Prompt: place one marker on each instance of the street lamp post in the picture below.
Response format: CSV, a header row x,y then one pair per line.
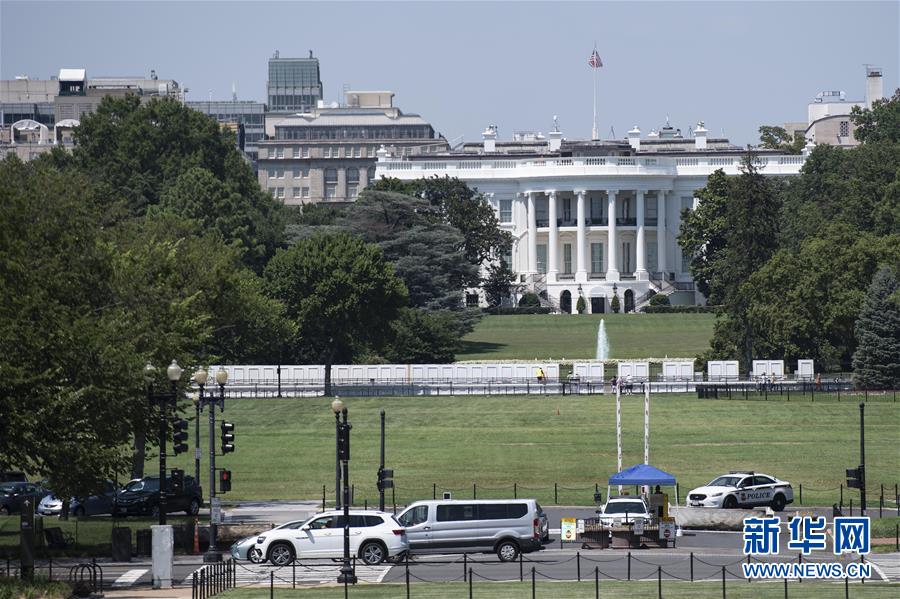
x,y
173,372
337,457
199,378
347,576
212,554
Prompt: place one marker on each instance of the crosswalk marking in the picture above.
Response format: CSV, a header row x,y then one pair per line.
x,y
250,574
887,566
129,578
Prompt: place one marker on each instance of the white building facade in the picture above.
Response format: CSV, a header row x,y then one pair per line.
x,y
590,219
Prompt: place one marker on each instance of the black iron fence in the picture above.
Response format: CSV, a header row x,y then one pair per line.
x,y
212,579
593,575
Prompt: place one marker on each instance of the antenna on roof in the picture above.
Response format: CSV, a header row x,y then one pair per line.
x,y
612,132
233,92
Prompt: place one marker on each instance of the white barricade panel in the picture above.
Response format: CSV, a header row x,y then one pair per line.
x,y
805,370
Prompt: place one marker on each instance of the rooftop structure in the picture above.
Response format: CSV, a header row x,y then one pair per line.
x,y
294,84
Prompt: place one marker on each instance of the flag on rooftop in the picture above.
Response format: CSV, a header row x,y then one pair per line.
x,y
594,60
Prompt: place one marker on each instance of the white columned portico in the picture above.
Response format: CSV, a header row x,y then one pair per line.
x,y
581,240
641,254
661,231
553,242
612,271
532,233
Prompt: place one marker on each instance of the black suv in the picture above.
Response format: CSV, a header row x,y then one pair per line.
x,y
14,495
141,497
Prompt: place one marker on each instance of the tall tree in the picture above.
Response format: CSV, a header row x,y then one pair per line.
x,y
881,123
341,293
462,207
136,152
876,362
777,138
703,237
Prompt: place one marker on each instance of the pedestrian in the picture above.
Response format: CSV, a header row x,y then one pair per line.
x,y
819,381
540,375
612,384
629,385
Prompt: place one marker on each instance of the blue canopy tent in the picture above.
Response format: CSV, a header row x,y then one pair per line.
x,y
643,474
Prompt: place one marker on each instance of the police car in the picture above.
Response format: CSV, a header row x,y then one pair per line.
x,y
743,489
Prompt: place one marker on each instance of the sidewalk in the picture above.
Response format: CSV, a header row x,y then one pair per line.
x,y
176,593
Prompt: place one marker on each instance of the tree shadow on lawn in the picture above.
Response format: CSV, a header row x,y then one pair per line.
x,y
480,347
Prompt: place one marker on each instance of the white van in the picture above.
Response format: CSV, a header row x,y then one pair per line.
x,y
504,526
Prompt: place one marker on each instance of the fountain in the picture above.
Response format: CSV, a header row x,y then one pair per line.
x,y
602,342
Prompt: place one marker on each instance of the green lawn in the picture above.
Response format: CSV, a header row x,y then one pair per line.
x,y
566,336
285,447
586,589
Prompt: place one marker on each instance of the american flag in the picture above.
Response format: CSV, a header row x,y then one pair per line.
x,y
594,60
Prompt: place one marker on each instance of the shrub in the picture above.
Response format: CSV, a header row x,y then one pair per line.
x,y
614,303
681,309
520,310
659,299
529,299
581,305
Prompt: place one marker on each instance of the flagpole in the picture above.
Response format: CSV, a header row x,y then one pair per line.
x,y
594,130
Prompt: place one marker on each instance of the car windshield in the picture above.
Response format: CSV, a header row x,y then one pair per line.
x,y
725,481
7,488
621,507
145,484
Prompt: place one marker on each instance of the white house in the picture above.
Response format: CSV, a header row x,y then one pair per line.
x,y
590,218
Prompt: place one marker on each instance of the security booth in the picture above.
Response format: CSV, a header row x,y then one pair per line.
x,y
635,531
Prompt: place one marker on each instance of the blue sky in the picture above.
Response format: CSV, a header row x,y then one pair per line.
x,y
464,65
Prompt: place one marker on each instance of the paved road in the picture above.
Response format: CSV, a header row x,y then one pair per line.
x,y
706,551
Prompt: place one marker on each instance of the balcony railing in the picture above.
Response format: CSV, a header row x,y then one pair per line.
x,y
626,222
650,222
597,222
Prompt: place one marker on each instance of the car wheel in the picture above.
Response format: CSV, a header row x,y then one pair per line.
x,y
730,503
507,551
254,555
778,502
281,554
372,553
79,512
194,508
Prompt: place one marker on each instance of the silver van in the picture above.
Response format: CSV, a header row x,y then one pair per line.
x,y
504,526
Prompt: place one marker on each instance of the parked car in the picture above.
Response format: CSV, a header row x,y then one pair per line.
x,y
374,537
246,547
624,509
506,527
14,495
91,505
743,489
141,497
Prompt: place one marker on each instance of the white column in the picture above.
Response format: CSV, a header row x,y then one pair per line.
x,y
661,231
612,265
553,242
581,241
532,234
640,251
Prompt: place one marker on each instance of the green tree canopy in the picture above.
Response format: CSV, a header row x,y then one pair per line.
x,y
876,362
881,123
703,237
144,154
777,138
340,292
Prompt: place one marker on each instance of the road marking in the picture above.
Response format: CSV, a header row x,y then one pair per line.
x,y
129,578
249,574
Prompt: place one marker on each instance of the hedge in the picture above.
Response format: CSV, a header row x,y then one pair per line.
x,y
519,310
680,309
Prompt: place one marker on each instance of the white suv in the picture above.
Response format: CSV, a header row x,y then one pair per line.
x,y
374,537
624,509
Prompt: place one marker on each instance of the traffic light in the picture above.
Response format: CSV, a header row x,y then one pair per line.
x,y
180,437
227,437
385,477
344,441
224,481
177,478
856,478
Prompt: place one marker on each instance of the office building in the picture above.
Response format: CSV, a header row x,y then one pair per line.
x,y
294,84
328,155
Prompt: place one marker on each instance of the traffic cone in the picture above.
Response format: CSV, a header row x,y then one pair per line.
x,y
196,536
